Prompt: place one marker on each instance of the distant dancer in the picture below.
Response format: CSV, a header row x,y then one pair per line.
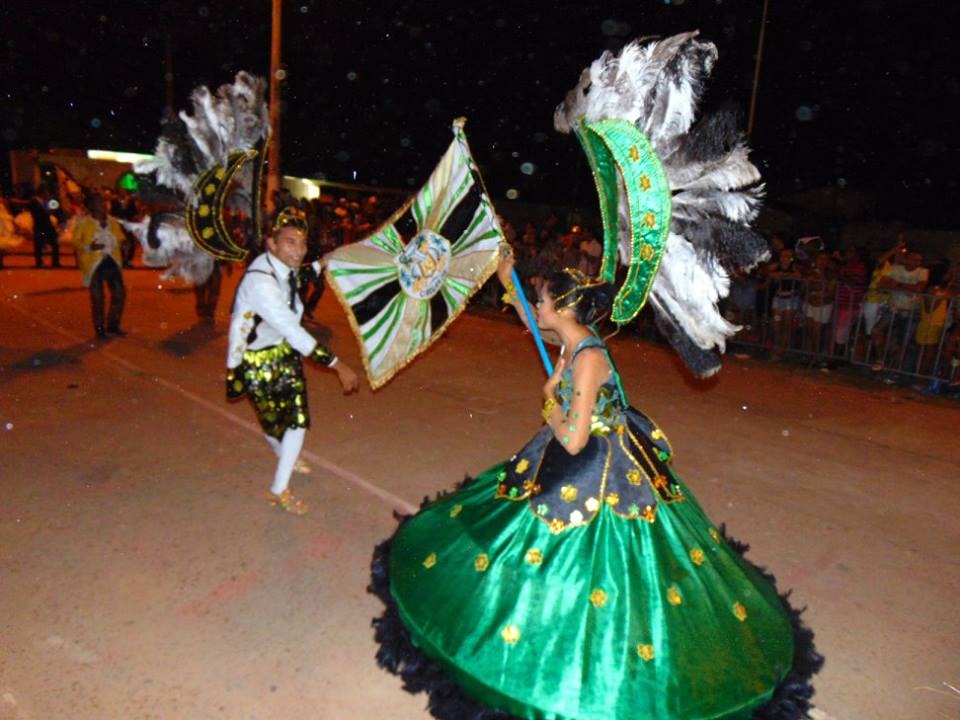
x,y
98,239
44,232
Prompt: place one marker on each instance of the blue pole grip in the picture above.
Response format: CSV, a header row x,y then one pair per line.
x,y
532,322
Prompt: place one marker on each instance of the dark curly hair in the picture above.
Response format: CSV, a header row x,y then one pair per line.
x,y
589,301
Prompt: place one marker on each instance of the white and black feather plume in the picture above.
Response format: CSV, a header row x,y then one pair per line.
x,y
234,118
166,243
716,191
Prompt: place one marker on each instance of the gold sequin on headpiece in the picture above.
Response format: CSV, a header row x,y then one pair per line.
x,y
291,217
582,283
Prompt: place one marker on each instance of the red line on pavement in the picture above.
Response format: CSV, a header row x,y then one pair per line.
x,y
318,546
388,497
227,589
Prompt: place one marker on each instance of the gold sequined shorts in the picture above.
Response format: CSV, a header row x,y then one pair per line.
x,y
275,384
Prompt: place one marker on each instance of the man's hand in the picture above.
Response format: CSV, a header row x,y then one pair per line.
x,y
348,378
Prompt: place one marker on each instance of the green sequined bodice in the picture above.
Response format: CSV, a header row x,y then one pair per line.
x,y
608,409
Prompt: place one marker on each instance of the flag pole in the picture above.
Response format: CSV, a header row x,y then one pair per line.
x,y
531,322
458,125
273,150
756,70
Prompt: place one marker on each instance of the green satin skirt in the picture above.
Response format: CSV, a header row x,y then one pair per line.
x,y
616,618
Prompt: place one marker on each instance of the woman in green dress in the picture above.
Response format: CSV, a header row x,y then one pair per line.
x,y
580,579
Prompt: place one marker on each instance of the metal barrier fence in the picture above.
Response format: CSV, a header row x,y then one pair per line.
x,y
905,334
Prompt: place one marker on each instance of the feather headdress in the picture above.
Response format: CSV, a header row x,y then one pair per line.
x,y
677,193
213,160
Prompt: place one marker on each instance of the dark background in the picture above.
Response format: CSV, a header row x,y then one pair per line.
x,y
853,94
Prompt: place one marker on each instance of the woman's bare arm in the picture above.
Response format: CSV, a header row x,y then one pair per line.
x,y
572,429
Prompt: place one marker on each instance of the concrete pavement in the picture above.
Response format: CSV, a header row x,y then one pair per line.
x,y
142,574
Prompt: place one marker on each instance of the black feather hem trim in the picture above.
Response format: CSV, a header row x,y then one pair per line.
x,y
792,698
447,701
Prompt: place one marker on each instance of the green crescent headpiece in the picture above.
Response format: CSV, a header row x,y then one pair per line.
x,y
616,149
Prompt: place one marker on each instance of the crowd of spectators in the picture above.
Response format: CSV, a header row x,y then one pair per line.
x,y
894,311
38,218
336,220
342,220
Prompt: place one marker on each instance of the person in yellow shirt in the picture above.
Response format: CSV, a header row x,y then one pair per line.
x,y
98,239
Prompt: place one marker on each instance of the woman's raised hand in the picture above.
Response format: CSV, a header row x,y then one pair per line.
x,y
505,268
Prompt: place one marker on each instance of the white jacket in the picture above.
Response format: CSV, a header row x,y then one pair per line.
x,y
264,291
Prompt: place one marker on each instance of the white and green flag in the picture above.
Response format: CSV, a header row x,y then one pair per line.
x,y
404,284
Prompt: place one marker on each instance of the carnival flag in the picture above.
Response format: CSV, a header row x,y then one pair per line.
x,y
404,284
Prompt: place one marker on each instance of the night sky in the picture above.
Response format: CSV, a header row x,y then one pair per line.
x,y
853,94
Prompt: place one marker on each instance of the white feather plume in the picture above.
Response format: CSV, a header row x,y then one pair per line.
x,y
738,206
172,248
234,118
690,290
733,170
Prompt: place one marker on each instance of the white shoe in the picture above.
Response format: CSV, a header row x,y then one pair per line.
x,y
301,467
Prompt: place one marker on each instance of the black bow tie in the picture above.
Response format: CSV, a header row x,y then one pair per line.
x,y
292,280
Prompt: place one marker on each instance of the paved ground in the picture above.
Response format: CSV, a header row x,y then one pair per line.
x,y
142,575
